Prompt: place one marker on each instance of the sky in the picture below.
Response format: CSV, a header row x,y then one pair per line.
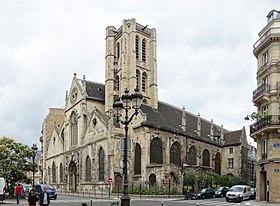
x,y
204,55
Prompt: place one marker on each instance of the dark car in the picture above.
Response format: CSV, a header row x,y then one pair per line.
x,y
202,194
50,190
25,190
253,194
221,191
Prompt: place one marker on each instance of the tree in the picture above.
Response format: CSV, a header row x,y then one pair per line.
x,y
15,162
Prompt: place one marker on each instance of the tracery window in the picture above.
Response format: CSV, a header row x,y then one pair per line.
x,y
206,158
137,160
144,79
144,50
156,152
137,47
53,173
61,172
175,154
191,156
88,169
101,161
74,129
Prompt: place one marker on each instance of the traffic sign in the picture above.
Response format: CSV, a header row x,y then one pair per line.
x,y
109,179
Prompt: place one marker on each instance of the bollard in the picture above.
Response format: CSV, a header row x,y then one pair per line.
x,y
90,202
161,203
197,204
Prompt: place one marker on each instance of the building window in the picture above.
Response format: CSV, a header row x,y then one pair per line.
x,y
264,149
265,58
88,169
118,51
117,83
218,163
74,129
191,156
152,179
101,162
230,163
144,79
231,150
137,160
265,110
144,50
206,158
53,173
156,151
137,47
137,78
175,154
61,172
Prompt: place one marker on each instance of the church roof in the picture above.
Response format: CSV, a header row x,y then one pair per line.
x,y
233,138
94,90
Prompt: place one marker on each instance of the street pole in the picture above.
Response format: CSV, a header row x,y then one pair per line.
x,y
34,148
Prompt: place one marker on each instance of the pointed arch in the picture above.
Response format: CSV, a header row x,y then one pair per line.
x,y
137,78
118,50
117,83
152,179
206,158
156,151
53,173
61,172
144,81
191,156
101,162
74,129
88,169
73,176
137,159
175,154
217,168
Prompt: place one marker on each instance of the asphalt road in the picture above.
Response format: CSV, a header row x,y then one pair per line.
x,y
64,200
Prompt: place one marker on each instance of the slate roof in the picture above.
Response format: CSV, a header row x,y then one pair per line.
x,y
232,138
94,90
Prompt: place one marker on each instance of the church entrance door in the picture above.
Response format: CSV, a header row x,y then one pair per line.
x,y
73,177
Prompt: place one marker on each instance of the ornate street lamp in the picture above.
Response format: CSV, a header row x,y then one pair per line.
x,y
126,102
34,148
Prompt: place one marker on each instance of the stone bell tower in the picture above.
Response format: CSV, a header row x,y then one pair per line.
x,y
131,62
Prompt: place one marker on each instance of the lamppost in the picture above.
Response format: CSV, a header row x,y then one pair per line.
x,y
126,102
34,148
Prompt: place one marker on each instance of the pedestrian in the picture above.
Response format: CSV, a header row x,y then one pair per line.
x,y
84,204
44,199
17,193
32,198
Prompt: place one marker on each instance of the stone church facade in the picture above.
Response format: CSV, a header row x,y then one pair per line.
x,y
82,144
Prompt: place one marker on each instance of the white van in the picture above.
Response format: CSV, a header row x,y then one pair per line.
x,y
238,193
2,189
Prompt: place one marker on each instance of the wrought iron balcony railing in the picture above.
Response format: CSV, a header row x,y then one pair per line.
x,y
267,121
264,88
272,32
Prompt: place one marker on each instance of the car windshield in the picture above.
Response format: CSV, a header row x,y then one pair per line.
x,y
236,189
219,189
48,187
203,191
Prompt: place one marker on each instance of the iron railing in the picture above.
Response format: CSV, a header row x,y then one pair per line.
x,y
264,88
267,121
271,32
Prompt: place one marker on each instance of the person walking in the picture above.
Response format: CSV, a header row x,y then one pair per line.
x,y
32,198
44,199
17,193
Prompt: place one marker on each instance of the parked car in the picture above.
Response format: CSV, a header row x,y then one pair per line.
x,y
221,191
50,190
202,194
25,190
253,194
238,193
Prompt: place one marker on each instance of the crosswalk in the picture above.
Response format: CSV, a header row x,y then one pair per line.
x,y
211,203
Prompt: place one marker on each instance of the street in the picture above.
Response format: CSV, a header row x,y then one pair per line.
x,y
76,201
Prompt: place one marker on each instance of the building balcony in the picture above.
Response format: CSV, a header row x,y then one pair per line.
x,y
261,93
269,122
272,35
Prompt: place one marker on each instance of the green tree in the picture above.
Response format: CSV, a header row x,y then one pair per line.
x,y
15,162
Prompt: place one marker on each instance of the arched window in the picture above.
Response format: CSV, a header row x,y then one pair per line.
x,y
191,156
152,179
88,169
74,129
137,47
144,50
101,161
117,83
61,172
53,173
175,154
118,50
137,160
206,158
137,78
218,163
144,81
156,151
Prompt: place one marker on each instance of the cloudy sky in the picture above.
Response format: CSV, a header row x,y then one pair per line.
x,y
205,59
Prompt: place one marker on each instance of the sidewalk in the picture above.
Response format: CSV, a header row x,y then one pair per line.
x,y
255,203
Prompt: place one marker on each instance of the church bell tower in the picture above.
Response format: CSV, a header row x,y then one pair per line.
x,y
131,62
